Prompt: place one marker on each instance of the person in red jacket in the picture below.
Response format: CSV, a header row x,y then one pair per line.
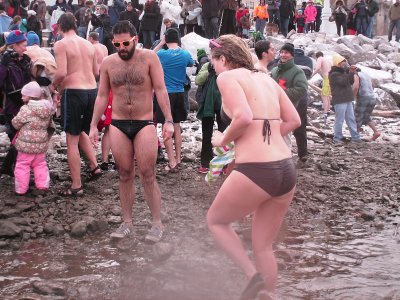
x,y
239,14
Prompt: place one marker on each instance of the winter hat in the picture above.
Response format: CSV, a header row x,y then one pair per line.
x,y
15,36
32,89
201,53
32,38
289,47
300,12
172,36
337,59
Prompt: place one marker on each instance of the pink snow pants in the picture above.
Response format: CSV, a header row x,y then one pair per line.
x,y
22,171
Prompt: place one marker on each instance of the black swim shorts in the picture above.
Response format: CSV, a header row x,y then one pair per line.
x,y
77,110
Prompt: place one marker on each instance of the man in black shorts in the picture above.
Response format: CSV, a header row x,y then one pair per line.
x,y
174,61
76,72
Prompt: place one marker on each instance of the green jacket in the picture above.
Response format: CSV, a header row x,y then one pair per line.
x,y
292,80
212,102
373,8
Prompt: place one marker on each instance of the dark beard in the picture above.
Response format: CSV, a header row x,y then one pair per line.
x,y
127,55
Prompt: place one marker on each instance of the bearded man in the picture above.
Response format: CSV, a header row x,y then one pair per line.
x,y
132,75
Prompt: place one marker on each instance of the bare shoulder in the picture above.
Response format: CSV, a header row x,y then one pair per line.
x,y
110,60
147,54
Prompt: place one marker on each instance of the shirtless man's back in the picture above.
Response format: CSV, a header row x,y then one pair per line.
x,y
101,50
132,75
76,72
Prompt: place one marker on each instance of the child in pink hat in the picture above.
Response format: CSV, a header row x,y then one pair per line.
x,y
32,121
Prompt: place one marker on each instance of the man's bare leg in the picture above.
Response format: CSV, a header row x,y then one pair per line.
x,y
326,103
87,148
122,149
146,156
169,147
178,142
105,145
376,132
74,160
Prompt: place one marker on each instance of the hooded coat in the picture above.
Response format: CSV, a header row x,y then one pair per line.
x,y
32,122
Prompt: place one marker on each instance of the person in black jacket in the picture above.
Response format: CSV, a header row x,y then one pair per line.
x,y
34,24
102,24
131,15
341,79
361,12
286,11
150,22
340,15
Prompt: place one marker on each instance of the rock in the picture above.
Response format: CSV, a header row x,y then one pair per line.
x,y
115,210
394,58
127,244
30,297
108,192
9,229
162,250
79,229
367,216
49,288
4,244
385,48
19,220
114,219
97,225
384,100
361,56
344,51
321,197
25,206
8,213
11,202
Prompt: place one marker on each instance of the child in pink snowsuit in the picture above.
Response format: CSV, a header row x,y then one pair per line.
x,y
311,15
32,139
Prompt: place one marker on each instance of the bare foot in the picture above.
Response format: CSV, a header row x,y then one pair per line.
x,y
375,136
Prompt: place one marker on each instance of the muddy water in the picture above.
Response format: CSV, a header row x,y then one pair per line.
x,y
335,259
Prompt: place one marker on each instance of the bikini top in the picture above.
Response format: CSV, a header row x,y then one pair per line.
x,y
266,132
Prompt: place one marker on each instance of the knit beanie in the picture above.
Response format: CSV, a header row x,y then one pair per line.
x,y
32,89
32,38
337,59
172,36
289,47
15,36
201,53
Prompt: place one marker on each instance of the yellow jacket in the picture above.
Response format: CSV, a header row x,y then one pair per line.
x,y
261,12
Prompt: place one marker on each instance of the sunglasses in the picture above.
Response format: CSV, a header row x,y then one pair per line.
x,y
214,44
125,43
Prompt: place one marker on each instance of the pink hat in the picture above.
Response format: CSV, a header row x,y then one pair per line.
x,y
32,89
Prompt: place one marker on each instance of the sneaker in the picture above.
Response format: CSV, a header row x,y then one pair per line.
x,y
155,234
203,170
125,229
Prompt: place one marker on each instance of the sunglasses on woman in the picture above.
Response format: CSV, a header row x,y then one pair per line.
x,y
125,43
